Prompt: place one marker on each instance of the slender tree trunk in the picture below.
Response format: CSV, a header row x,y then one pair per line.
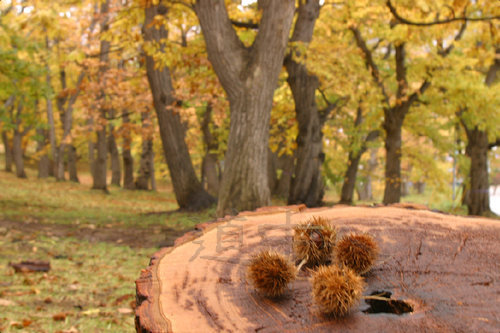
x,y
72,168
210,173
44,161
8,152
100,166
249,77
116,171
349,184
50,117
307,184
354,158
420,186
100,169
128,160
285,164
17,151
142,181
91,146
188,190
152,169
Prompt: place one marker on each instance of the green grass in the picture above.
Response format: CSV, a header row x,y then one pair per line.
x,y
70,203
90,286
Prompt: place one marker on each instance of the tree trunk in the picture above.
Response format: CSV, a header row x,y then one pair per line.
x,y
100,165
152,169
50,119
285,164
393,123
43,162
116,171
142,181
367,183
210,171
307,184
72,169
420,186
477,197
349,184
478,202
354,158
8,152
17,152
91,146
249,77
188,190
128,160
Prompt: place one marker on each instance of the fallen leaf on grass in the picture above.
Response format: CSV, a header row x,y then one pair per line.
x,y
29,266
27,322
6,302
125,310
91,312
122,298
59,316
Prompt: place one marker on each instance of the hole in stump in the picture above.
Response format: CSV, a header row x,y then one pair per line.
x,y
393,306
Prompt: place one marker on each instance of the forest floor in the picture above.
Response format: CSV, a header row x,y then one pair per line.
x,y
96,244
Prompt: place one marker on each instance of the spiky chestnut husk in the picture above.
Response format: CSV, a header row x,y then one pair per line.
x,y
336,289
357,252
270,273
314,240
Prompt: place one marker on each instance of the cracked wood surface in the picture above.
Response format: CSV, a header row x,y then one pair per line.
x,y
445,266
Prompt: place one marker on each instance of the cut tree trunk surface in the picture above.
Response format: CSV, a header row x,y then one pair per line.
x,y
444,267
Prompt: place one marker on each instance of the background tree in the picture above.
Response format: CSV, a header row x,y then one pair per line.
x,y
249,76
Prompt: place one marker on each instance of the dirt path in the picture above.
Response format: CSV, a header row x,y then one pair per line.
x,y
138,237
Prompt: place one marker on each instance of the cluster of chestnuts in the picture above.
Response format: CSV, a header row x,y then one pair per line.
x,y
336,266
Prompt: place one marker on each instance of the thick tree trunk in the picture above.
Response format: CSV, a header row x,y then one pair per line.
x,y
307,184
72,159
100,165
91,146
9,158
478,202
116,171
393,124
17,152
249,77
44,161
349,184
128,160
188,190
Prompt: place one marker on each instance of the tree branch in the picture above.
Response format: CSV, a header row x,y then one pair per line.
x,y
444,52
436,22
401,71
370,63
494,143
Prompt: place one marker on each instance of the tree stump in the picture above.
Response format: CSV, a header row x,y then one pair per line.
x,y
446,268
